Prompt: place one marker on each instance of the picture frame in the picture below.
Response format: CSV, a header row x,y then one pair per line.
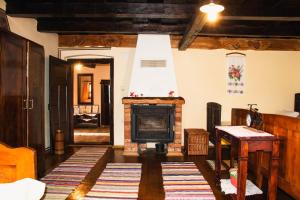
x,y
3,20
85,89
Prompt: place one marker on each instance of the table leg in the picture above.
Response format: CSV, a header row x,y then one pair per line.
x,y
259,176
273,176
242,170
231,154
218,157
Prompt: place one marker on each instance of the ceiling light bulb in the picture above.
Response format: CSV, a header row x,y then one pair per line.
x,y
78,66
212,17
212,10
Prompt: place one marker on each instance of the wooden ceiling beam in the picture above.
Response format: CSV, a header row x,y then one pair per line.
x,y
260,18
34,9
253,29
119,40
193,28
65,26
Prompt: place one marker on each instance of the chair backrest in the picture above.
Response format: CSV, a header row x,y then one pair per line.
x,y
297,102
213,119
16,163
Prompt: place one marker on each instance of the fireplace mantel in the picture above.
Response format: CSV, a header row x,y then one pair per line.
x,y
130,148
153,100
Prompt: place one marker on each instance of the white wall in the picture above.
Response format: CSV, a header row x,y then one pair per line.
x,y
272,79
28,28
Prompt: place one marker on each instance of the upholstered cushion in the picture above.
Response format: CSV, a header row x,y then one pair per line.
x,y
88,109
95,109
76,110
82,109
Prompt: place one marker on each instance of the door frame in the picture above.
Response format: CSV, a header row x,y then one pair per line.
x,y
89,61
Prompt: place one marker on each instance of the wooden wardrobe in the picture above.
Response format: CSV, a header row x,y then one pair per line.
x,y
22,66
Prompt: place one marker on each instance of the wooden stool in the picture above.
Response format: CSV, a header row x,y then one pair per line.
x,y
196,141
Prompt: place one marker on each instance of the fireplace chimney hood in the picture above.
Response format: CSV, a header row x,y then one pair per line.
x,y
153,73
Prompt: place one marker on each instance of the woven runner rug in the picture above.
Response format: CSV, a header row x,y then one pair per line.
x,y
183,181
61,181
117,181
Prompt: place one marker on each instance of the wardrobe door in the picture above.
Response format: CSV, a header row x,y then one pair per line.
x,y
13,90
36,136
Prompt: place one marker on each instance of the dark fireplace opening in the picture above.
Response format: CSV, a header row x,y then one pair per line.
x,y
152,123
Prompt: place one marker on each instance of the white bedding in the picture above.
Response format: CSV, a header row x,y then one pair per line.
x,y
25,189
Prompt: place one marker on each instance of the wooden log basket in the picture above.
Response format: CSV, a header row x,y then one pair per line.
x,y
196,141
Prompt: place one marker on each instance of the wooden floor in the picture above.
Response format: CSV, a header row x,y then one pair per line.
x,y
92,135
151,187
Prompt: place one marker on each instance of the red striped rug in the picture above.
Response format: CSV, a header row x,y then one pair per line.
x,y
117,181
61,181
183,181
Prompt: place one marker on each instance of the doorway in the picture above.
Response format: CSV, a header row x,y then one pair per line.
x,y
92,121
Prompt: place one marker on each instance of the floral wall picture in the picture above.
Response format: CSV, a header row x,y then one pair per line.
x,y
235,73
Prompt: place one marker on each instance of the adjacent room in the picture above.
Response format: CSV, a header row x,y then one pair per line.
x,y
91,102
149,100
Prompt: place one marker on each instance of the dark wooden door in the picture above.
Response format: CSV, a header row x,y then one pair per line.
x,y
60,102
105,102
13,90
36,136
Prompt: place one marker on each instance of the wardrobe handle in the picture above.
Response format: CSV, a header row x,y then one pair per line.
x,y
31,104
25,104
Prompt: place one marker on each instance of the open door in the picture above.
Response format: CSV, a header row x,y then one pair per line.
x,y
60,99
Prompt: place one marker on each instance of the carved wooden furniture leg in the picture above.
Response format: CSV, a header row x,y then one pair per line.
x,y
242,170
273,176
218,157
259,176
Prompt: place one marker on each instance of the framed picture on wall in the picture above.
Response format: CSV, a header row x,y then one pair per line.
x,y
3,20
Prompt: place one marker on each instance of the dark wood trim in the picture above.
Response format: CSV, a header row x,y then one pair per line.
x,y
203,42
111,63
78,88
71,104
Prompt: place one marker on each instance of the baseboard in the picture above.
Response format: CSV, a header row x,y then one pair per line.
x,y
48,150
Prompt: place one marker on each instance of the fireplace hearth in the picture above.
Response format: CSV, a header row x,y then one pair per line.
x,y
152,119
152,123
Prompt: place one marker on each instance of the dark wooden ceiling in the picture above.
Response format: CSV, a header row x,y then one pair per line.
x,y
241,18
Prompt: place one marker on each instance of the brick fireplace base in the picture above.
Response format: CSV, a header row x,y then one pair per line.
x,y
130,148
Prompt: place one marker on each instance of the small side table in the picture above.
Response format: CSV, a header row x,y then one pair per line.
x,y
248,140
196,141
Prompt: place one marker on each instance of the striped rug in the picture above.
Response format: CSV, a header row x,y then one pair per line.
x,y
182,181
61,181
117,181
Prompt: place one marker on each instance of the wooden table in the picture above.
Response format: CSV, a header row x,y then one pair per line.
x,y
248,140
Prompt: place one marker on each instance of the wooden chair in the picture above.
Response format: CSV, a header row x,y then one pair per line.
x,y
213,119
16,163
